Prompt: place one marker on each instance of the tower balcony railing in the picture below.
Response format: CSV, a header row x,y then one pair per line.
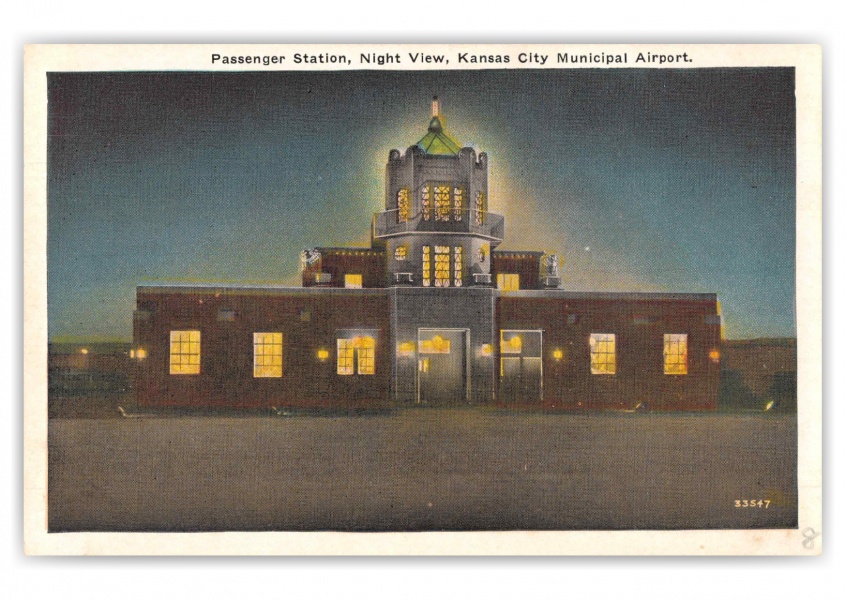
x,y
471,221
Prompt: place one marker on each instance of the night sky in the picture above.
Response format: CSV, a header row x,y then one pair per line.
x,y
641,180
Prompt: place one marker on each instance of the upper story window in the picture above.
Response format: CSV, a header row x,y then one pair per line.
x,y
353,280
480,208
603,353
457,203
442,202
457,266
184,352
508,282
267,354
427,266
403,205
426,202
401,253
441,266
675,354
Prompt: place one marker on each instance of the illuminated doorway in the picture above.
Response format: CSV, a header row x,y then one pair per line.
x,y
521,366
442,366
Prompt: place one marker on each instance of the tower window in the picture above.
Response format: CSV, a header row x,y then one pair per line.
x,y
508,282
457,266
403,205
480,208
184,352
441,266
603,354
427,266
267,354
675,354
353,280
400,253
458,203
426,202
442,202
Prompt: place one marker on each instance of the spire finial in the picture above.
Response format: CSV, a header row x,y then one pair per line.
x,y
436,107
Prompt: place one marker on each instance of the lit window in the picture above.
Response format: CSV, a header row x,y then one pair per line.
x,y
401,253
458,203
403,205
437,345
267,354
457,266
346,357
508,282
510,342
357,354
427,265
675,354
441,266
352,280
184,352
480,208
603,354
426,202
442,202
366,356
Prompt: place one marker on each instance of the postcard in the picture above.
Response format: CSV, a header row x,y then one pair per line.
x,y
423,299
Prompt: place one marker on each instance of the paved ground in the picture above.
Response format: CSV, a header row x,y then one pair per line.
x,y
465,469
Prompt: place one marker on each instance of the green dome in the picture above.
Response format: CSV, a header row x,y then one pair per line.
x,y
437,141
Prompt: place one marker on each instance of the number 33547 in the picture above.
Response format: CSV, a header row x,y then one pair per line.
x,y
751,503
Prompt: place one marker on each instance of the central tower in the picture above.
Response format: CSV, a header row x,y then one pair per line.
x,y
436,228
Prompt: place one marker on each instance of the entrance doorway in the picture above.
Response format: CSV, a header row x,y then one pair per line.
x,y
521,366
442,366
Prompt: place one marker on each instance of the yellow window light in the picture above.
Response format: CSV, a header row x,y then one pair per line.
x,y
322,354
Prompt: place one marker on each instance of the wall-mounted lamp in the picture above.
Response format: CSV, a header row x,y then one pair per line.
x,y
322,355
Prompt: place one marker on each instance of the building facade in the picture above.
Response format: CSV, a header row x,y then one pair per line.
x,y
432,313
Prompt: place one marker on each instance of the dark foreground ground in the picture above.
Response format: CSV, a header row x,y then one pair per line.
x,y
465,469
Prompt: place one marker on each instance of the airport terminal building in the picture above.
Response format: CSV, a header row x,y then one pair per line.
x,y
430,314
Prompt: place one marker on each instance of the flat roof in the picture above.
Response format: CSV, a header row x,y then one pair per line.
x,y
569,295
223,288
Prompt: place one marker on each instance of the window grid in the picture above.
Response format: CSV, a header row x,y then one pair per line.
x,y
346,357
184,352
480,208
441,266
403,205
458,203
675,354
356,355
603,354
267,354
427,265
458,266
366,356
401,253
442,202
425,202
